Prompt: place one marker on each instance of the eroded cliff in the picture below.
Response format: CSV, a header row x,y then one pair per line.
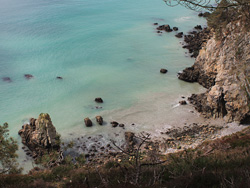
x,y
223,66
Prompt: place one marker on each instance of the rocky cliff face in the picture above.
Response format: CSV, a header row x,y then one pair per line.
x,y
223,66
39,135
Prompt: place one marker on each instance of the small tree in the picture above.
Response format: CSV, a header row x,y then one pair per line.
x,y
8,148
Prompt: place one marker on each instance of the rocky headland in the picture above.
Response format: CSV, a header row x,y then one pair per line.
x,y
222,67
40,136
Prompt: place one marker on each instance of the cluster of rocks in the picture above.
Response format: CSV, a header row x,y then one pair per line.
x,y
196,39
27,76
94,148
40,136
99,119
189,135
97,149
166,28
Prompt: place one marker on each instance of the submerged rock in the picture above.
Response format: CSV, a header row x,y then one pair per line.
x,y
28,76
7,79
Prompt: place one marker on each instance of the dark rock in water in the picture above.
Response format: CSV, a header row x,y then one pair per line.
x,y
159,32
7,79
175,28
114,123
205,14
59,78
88,122
183,102
121,125
193,32
166,28
198,27
155,23
39,136
99,100
179,35
200,14
99,120
164,71
28,76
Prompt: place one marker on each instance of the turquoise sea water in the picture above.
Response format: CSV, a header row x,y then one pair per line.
x,y
107,49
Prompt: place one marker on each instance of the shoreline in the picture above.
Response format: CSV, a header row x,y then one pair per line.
x,y
189,131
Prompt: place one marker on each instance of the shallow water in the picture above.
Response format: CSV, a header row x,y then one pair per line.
x,y
107,49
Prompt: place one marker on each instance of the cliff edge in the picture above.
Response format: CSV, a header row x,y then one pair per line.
x,y
223,67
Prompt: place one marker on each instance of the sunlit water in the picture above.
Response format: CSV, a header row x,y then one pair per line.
x,y
107,49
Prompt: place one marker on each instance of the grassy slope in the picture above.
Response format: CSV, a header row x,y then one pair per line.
x,y
222,162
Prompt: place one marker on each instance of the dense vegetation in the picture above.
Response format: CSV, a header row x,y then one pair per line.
x,y
8,148
223,162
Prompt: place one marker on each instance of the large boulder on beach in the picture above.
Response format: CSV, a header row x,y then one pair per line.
x,y
40,135
99,120
88,122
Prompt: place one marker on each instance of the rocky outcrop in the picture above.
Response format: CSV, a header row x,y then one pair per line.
x,y
40,135
195,40
129,140
223,66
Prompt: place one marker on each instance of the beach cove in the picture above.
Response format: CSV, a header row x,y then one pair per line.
x,y
100,49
